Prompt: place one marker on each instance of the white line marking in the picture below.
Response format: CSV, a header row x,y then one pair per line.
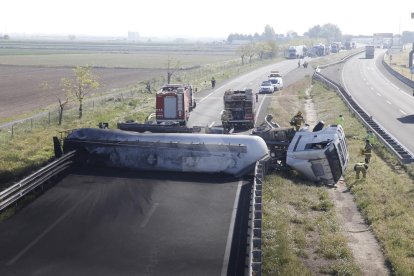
x,y
200,101
47,230
149,215
403,112
388,102
379,94
231,230
260,106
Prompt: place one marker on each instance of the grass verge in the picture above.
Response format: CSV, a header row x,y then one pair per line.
x,y
386,197
301,235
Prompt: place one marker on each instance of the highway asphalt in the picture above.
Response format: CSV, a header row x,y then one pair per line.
x,y
109,222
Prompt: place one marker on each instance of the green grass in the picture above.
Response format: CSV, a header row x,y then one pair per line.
x,y
301,235
386,197
30,148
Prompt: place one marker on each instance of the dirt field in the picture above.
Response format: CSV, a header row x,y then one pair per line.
x,y
21,91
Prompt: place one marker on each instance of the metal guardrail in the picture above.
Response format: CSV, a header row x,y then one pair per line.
x,y
403,79
403,154
255,222
18,190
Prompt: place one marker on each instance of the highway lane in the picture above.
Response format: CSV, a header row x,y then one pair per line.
x,y
109,222
390,105
210,102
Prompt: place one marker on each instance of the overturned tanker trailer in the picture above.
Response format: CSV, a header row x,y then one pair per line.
x,y
204,153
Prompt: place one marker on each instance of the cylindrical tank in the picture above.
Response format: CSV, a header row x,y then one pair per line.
x,y
206,153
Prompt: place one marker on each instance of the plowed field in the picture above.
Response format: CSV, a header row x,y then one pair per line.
x,y
21,91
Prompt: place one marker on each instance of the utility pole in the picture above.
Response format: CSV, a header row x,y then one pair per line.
x,y
410,61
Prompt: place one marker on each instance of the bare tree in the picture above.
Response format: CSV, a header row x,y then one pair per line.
x,y
171,69
250,51
82,84
241,51
62,100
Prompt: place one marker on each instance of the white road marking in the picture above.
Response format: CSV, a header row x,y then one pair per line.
x,y
379,94
47,230
405,114
388,102
231,230
260,106
149,215
212,92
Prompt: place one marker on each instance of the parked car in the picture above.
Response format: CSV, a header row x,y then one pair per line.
x,y
277,83
266,87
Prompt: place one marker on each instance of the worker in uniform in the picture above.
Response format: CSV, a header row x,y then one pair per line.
x,y
213,82
340,120
370,137
225,120
297,121
367,151
361,167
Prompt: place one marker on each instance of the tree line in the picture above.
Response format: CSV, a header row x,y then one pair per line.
x,y
328,31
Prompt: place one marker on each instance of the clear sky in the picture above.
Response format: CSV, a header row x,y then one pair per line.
x,y
192,18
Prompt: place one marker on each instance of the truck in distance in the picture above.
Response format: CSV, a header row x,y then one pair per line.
x,y
369,51
239,109
298,51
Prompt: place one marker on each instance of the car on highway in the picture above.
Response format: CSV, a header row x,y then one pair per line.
x,y
266,87
277,83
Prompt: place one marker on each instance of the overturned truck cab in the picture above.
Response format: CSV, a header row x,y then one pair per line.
x,y
321,156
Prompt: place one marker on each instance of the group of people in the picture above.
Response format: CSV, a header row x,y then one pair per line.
x,y
360,167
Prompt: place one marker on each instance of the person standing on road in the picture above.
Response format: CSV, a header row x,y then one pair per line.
x,y
361,167
299,63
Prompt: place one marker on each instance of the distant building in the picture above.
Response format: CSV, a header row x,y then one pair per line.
x,y
133,36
